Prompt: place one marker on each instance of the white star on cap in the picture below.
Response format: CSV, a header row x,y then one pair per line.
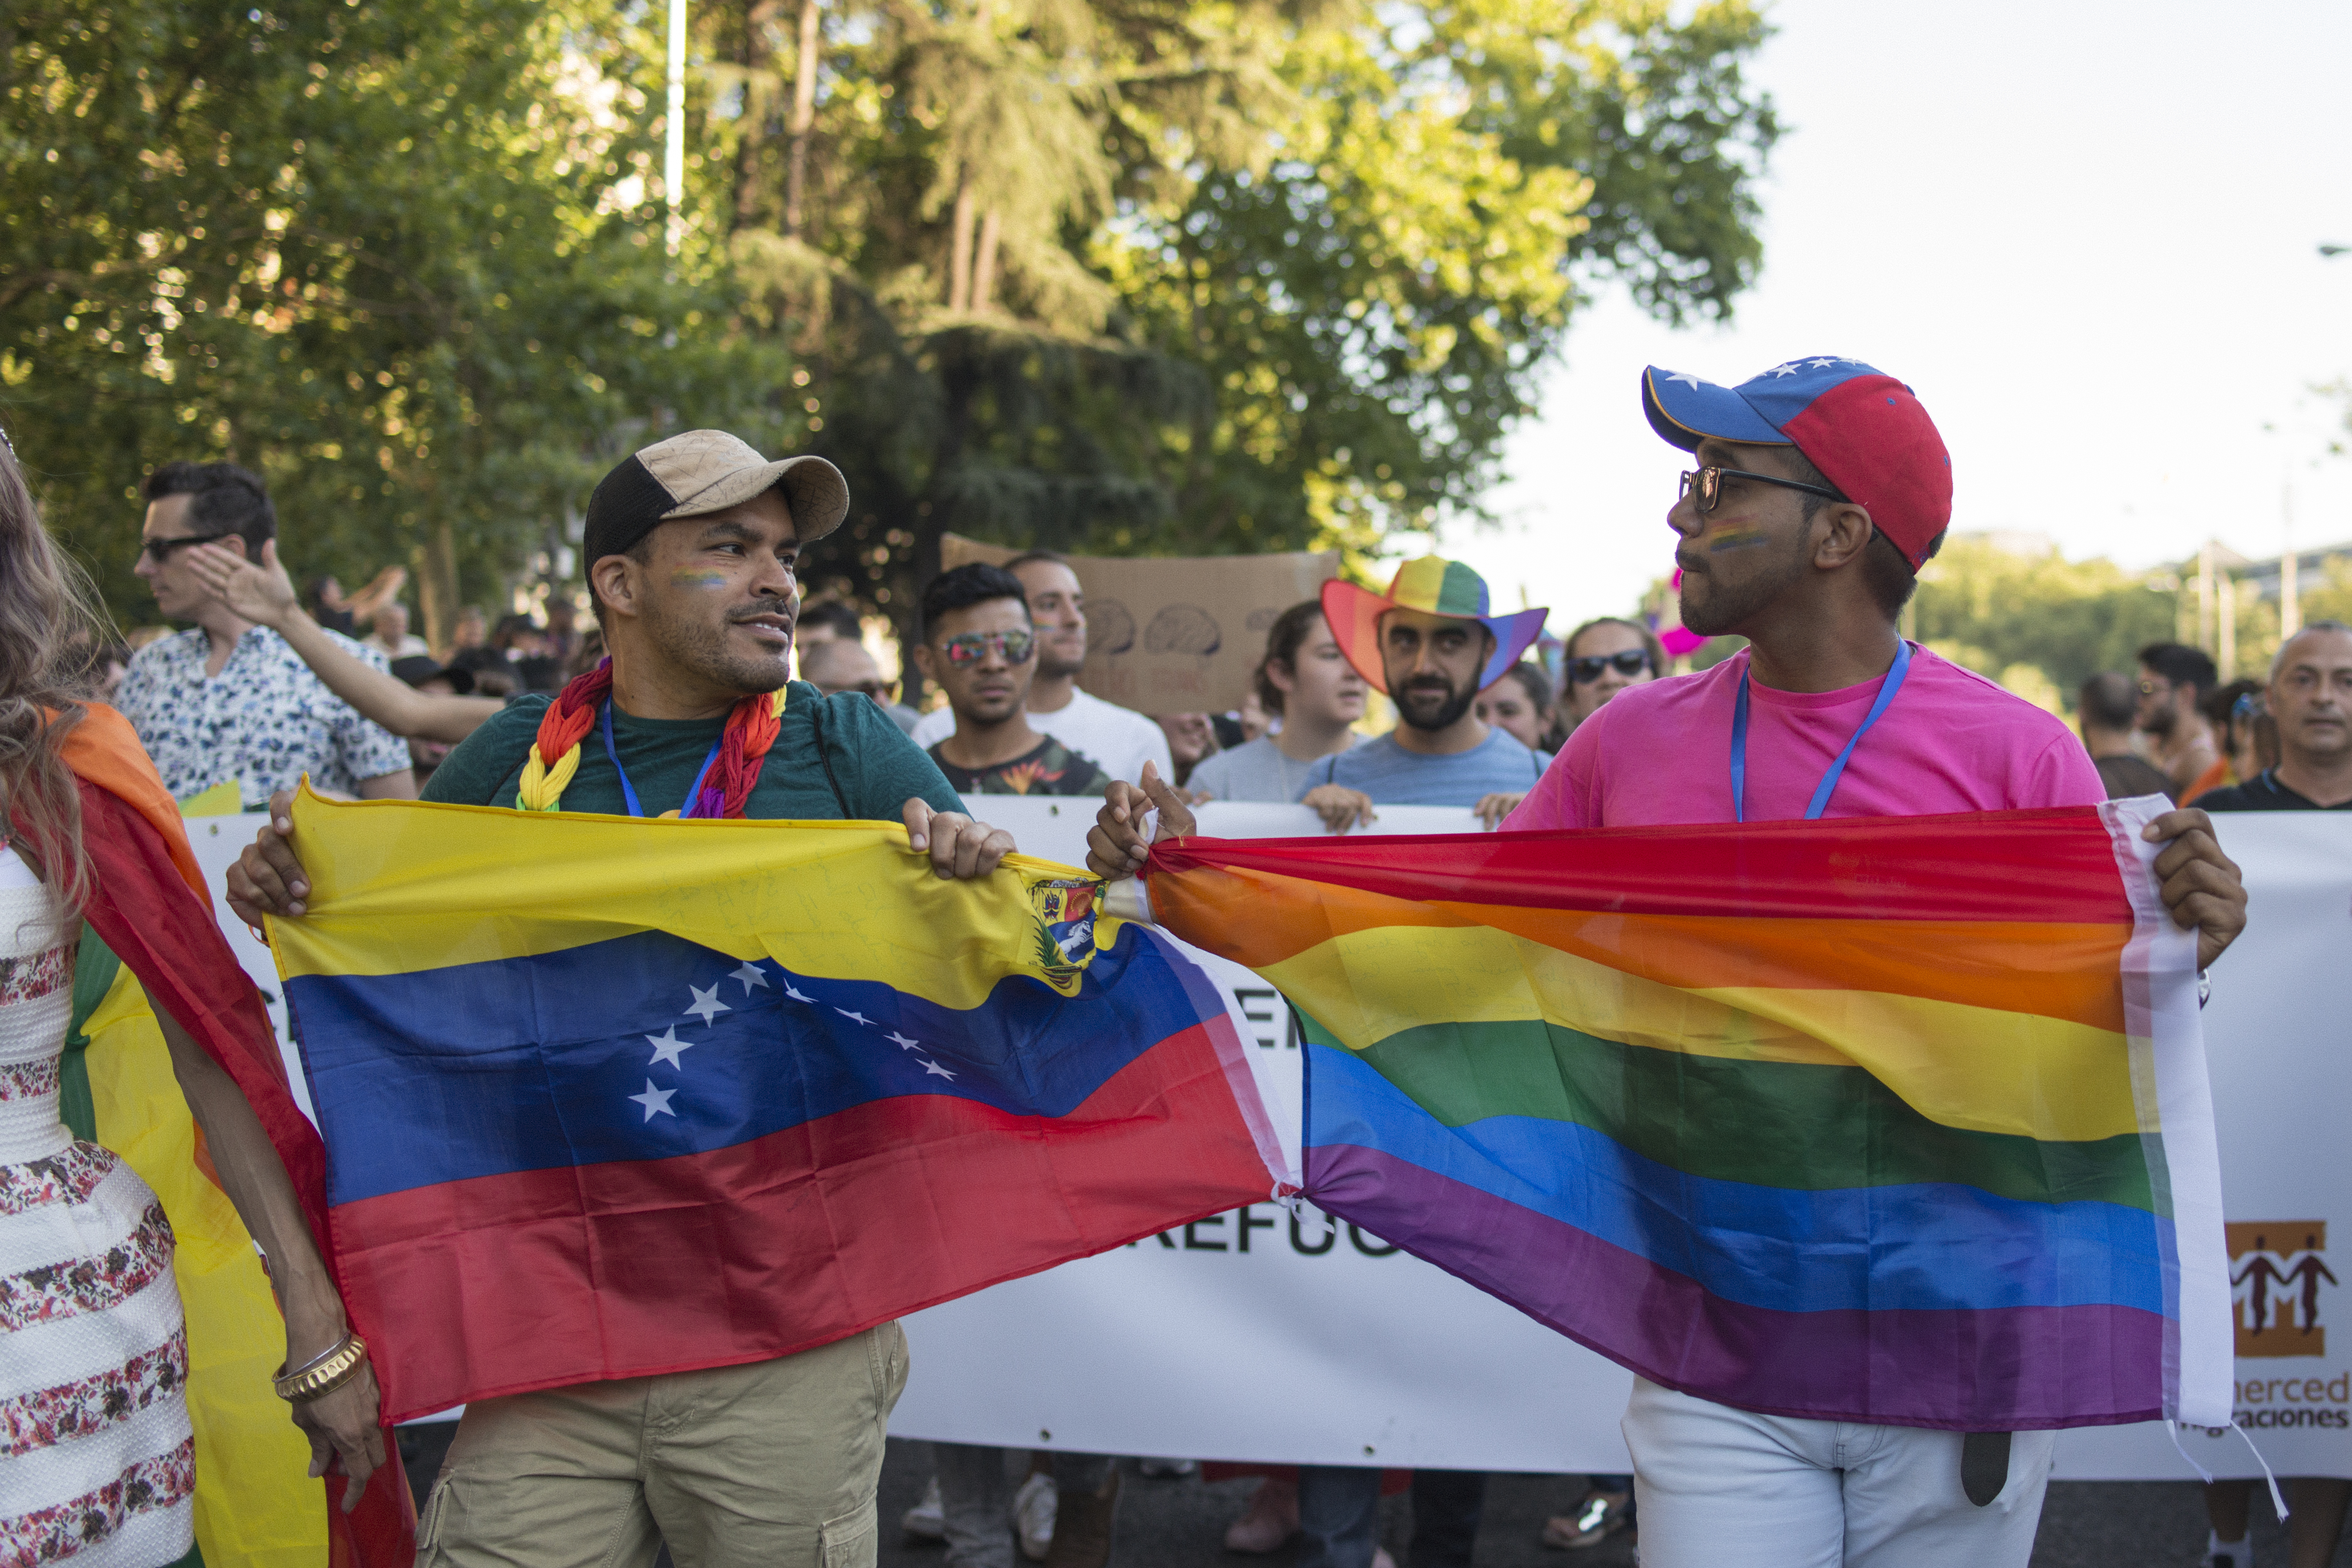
x,y
904,1043
707,1003
1686,376
855,1017
1824,364
928,1067
667,1045
794,994
654,1099
751,974
1789,369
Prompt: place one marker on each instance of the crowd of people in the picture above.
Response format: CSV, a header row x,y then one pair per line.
x,y
1822,488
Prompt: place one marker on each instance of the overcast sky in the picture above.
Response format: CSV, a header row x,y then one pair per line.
x,y
2086,235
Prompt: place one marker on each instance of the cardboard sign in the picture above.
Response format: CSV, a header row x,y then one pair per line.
x,y
1175,634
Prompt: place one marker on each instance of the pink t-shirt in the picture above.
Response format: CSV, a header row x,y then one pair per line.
x,y
1950,740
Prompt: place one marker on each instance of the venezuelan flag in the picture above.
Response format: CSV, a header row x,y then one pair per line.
x,y
606,1098
1898,1121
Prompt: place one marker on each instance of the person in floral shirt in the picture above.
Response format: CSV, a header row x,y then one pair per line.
x,y
979,648
228,702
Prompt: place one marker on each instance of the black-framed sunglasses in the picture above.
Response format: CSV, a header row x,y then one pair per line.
x,y
158,551
1584,671
1707,484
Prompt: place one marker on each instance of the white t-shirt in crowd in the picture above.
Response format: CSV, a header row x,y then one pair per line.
x,y
1117,740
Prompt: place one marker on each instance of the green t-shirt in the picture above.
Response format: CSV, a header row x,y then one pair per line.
x,y
875,766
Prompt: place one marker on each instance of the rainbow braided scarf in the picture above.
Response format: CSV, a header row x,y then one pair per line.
x,y
752,729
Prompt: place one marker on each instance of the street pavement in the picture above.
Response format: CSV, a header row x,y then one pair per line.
x,y
1181,1523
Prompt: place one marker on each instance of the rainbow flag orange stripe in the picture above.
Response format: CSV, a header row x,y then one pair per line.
x,y
1891,1120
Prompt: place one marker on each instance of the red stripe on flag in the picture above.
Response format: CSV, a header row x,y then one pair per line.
x,y
510,1283
2054,866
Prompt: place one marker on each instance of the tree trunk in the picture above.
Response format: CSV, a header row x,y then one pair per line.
x,y
804,118
753,126
959,247
983,266
436,586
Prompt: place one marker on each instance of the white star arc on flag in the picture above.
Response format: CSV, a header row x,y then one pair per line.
x,y
707,1003
903,1043
928,1067
751,974
853,1018
667,1046
796,996
654,1099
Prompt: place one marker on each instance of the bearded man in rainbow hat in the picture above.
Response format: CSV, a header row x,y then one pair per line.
x,y
1430,644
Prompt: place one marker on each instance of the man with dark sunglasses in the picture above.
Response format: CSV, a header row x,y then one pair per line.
x,y
229,702
981,648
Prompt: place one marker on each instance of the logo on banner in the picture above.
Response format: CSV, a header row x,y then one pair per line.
x,y
2277,1271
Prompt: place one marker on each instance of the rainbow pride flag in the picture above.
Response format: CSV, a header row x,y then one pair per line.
x,y
606,1098
1897,1120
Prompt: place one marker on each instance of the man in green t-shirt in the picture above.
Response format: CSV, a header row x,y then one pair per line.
x,y
693,546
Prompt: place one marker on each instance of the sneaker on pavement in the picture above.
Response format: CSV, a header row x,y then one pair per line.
x,y
1599,1517
2221,1554
1161,1470
1033,1515
1270,1520
926,1520
1082,1526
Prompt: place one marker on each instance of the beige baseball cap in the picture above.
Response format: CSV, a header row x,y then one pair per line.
x,y
704,471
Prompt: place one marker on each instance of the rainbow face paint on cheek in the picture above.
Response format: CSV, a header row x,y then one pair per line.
x,y
1736,539
698,577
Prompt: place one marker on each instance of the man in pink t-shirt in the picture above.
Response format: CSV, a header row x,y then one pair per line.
x,y
1824,488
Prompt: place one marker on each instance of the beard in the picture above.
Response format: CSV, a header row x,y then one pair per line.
x,y
702,647
1722,607
1428,704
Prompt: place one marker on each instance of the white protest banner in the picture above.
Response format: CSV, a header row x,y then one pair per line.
x,y
1192,1346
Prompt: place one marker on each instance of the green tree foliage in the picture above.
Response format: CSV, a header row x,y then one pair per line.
x,y
1142,275
382,254
2040,624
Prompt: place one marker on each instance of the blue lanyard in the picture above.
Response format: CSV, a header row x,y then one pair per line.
x,y
629,795
1822,791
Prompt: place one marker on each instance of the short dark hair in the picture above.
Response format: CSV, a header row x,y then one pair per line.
x,y
2183,665
1282,641
969,585
1886,572
1028,557
222,498
2108,702
843,618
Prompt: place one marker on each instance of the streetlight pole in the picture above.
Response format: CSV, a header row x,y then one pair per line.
x,y
673,155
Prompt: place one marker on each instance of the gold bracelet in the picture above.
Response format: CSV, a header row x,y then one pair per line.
x,y
323,1377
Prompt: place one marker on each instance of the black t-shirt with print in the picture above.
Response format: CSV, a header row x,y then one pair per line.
x,y
1047,768
2262,793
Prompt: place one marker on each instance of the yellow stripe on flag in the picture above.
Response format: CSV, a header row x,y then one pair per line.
x,y
1974,1068
255,1505
385,875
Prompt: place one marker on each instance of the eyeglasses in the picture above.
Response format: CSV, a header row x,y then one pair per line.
x,y
1586,671
1707,485
158,551
2154,688
1012,648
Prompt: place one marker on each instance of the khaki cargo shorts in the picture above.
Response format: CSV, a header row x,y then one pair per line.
x,y
770,1465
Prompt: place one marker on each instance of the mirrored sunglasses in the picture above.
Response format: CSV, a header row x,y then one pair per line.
x,y
1012,648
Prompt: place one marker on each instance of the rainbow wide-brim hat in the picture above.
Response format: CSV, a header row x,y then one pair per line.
x,y
1437,586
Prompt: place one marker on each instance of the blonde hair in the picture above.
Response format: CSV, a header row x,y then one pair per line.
x,y
50,632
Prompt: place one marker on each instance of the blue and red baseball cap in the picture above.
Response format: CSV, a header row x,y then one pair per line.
x,y
1860,427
